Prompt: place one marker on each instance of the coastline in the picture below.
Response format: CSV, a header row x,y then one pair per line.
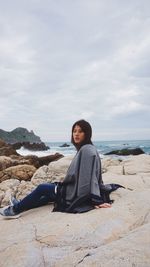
x,y
102,147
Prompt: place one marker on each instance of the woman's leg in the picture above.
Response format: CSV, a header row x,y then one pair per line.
x,y
43,194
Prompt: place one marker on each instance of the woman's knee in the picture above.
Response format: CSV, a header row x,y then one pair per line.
x,y
40,187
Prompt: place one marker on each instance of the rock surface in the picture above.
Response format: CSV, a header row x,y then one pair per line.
x,y
117,236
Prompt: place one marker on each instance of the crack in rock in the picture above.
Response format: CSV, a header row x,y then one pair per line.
x,y
143,179
3,250
85,247
141,221
41,248
87,255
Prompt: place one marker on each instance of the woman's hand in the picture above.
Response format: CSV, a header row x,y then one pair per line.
x,y
104,205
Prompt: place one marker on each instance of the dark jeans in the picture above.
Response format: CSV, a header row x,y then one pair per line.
x,y
43,194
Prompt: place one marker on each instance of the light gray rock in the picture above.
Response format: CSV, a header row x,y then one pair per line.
x,y
137,164
58,239
8,188
115,169
117,236
55,171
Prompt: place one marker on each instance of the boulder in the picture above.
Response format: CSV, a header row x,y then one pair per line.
x,y
8,188
107,163
6,150
6,162
126,152
65,145
36,161
55,171
136,165
40,161
24,188
20,172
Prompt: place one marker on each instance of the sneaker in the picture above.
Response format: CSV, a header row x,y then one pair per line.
x,y
13,201
9,213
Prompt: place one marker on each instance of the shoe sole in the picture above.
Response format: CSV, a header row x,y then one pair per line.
x,y
10,217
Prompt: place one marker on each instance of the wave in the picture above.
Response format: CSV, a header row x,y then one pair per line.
x,y
102,147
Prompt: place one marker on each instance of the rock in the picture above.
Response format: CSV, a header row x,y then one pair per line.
x,y
126,152
118,236
65,145
40,161
41,176
5,162
47,159
14,187
116,169
112,165
9,184
19,134
55,171
23,169
2,143
31,146
6,150
137,165
20,172
8,188
24,189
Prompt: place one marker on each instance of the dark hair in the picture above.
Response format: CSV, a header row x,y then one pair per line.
x,y
87,129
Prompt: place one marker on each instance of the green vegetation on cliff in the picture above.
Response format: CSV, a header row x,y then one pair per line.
x,y
19,135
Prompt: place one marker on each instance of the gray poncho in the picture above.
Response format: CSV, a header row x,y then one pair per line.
x,y
81,186
84,174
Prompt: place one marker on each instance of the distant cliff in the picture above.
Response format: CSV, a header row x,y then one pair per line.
x,y
19,135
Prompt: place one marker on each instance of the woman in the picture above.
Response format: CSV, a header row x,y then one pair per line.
x,y
82,188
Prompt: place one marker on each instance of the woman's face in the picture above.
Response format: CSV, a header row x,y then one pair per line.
x,y
78,135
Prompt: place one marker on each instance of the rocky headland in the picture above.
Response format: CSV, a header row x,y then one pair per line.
x,y
19,134
21,137
118,236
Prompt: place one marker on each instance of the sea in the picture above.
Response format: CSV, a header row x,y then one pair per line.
x,y
102,147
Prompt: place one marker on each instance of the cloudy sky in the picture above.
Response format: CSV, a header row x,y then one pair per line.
x,y
65,60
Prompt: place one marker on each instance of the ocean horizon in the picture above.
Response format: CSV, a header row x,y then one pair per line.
x,y
102,147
